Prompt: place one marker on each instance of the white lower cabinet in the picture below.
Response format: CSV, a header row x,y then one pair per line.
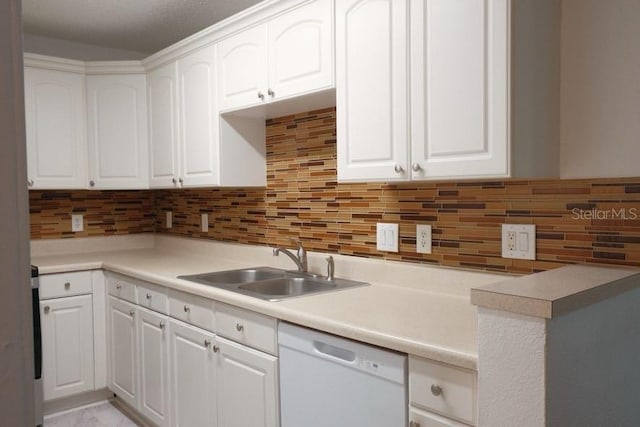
x,y
193,376
153,351
123,348
247,387
67,346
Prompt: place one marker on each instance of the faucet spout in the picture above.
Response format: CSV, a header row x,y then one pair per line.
x,y
300,258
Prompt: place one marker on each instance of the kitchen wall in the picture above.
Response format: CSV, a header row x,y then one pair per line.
x,y
594,221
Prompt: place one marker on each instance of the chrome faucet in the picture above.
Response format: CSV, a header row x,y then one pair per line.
x,y
300,258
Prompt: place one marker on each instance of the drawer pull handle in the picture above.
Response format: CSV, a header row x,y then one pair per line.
x,y
216,349
187,308
436,390
67,285
239,327
207,343
118,286
46,309
148,296
161,325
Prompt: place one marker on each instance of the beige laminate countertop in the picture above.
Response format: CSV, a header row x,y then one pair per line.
x,y
403,309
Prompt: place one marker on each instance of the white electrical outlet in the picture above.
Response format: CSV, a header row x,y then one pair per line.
x,y
77,223
387,237
169,219
519,241
423,238
204,222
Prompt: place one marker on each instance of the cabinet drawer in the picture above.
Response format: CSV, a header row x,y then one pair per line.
x,y
121,288
246,327
192,309
153,297
444,389
418,418
65,284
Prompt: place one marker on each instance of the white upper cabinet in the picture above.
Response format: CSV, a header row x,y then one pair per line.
x,y
289,55
56,133
117,131
459,88
162,93
371,89
198,123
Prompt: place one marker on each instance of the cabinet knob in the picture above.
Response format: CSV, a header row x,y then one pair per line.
x,y
92,183
30,182
416,167
187,308
261,96
161,325
148,296
414,424
131,313
180,180
239,327
118,286
67,285
436,390
174,180
271,93
398,169
207,343
216,349
46,309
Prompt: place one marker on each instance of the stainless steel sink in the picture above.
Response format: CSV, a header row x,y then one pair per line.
x,y
270,284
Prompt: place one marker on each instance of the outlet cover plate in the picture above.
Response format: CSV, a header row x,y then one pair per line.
x,y
387,237
169,219
77,223
519,241
423,238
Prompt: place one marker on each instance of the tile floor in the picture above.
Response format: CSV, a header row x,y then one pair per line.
x,y
101,415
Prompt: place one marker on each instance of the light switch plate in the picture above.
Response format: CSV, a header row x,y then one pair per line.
x,y
423,238
519,241
77,223
387,237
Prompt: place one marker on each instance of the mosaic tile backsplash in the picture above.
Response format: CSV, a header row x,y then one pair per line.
x,y
578,221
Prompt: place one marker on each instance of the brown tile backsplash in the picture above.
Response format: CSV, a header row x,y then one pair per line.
x,y
578,221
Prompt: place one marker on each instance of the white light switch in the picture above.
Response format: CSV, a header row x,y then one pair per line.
x,y
519,241
387,237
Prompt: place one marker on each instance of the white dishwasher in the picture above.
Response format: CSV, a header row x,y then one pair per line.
x,y
327,381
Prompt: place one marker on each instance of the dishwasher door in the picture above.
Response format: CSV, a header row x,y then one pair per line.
x,y
327,381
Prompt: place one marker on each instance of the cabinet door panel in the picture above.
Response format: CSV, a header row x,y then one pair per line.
x,y
459,88
198,119
242,69
163,127
55,125
192,376
123,350
371,89
247,386
300,50
117,122
67,342
154,366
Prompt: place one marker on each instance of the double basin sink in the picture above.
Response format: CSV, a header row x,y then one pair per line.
x,y
270,284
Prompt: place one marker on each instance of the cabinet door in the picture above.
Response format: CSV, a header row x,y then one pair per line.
x,y
242,69
247,388
371,90
67,346
55,125
154,366
418,418
162,91
459,87
123,351
117,123
193,376
301,50
198,119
